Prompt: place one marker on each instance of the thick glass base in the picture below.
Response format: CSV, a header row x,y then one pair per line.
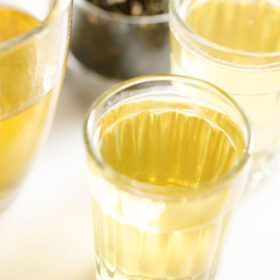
x,y
262,171
103,273
5,203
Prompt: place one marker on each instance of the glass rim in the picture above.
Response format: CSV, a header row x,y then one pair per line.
x,y
157,191
195,36
50,18
93,9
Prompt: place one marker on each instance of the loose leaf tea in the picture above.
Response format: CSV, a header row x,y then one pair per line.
x,y
133,7
107,42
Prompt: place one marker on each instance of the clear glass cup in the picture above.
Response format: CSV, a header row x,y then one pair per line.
x,y
168,158
236,46
34,43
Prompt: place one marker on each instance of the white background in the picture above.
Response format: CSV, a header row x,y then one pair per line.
x,y
46,233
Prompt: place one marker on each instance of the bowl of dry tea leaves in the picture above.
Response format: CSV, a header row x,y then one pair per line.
x,y
121,39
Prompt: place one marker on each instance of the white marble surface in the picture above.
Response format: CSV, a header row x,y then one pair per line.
x,y
46,233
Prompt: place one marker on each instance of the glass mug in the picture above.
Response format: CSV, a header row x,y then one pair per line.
x,y
236,46
34,39
168,158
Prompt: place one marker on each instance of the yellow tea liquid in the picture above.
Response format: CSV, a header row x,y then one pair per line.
x,y
238,25
247,26
169,145
23,114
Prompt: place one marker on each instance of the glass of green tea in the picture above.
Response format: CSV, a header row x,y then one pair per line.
x,y
168,158
34,38
235,44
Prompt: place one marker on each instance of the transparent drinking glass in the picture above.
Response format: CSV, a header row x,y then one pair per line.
x,y
34,39
168,158
236,46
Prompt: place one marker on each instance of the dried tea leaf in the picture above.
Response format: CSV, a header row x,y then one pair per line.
x,y
133,7
136,8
